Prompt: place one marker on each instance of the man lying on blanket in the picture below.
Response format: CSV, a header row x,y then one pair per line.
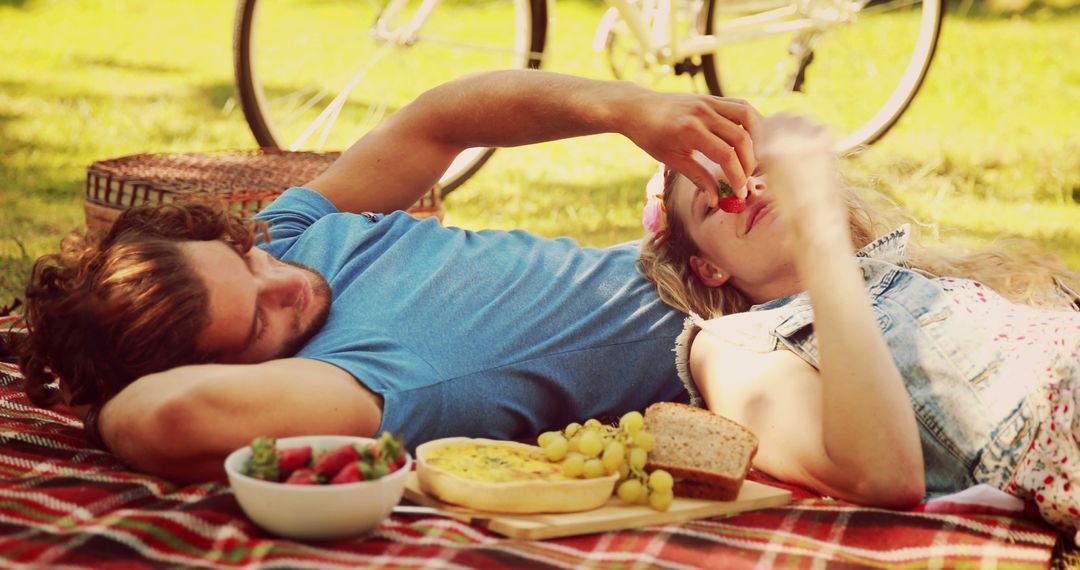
x,y
184,333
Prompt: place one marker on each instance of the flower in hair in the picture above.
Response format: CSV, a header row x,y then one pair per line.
x,y
654,216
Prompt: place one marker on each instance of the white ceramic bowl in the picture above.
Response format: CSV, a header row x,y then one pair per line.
x,y
315,512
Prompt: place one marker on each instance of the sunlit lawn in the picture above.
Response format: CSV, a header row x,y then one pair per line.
x,y
990,147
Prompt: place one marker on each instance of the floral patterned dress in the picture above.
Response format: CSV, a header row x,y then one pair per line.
x,y
1039,355
1042,349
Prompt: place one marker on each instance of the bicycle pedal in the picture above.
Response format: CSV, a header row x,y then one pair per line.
x,y
687,67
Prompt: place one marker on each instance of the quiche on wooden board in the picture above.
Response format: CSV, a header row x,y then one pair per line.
x,y
504,476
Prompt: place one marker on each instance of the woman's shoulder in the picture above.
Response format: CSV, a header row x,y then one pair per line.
x,y
752,329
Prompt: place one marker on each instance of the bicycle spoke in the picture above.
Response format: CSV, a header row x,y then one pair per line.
x,y
320,75
334,108
296,112
472,46
376,111
373,116
889,6
329,124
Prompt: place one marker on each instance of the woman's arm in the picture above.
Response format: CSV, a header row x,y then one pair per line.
x,y
869,433
779,397
869,441
181,423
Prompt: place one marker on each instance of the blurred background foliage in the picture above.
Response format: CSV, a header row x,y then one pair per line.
x,y
990,148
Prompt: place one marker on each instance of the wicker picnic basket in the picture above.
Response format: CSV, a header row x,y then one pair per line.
x,y
245,180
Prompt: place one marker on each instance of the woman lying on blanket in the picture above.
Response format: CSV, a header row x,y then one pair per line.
x,y
869,375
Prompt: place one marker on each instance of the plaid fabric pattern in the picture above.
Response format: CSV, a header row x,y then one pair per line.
x,y
64,504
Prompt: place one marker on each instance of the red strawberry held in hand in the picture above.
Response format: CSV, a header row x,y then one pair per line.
x,y
729,202
732,205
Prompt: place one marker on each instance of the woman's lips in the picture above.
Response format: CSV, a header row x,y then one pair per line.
x,y
756,214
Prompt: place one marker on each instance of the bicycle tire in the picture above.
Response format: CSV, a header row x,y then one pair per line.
x,y
883,118
530,28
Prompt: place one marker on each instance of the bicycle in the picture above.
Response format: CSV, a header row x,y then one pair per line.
x,y
315,75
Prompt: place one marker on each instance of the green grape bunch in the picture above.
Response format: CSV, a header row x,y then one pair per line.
x,y
594,449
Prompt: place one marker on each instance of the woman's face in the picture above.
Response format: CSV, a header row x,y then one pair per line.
x,y
746,250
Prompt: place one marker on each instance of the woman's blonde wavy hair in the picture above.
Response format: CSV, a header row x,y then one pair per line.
x,y
1017,269
111,307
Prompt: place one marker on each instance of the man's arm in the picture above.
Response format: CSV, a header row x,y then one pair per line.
x,y
396,163
181,423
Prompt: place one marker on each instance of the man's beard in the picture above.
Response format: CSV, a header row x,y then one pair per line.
x,y
320,293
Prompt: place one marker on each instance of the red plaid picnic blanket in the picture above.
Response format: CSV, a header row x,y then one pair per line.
x,y
65,504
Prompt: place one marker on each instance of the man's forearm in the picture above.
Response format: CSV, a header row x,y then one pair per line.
x,y
396,163
513,108
182,422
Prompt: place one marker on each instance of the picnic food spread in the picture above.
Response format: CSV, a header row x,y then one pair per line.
x,y
593,449
709,455
673,449
347,463
573,469
451,469
494,463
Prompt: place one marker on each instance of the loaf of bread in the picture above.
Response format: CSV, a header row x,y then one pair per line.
x,y
707,454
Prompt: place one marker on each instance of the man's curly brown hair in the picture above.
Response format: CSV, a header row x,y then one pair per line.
x,y
112,307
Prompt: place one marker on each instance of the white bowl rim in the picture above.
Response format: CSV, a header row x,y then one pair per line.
x,y
300,440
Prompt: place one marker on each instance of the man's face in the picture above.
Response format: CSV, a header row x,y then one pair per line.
x,y
260,308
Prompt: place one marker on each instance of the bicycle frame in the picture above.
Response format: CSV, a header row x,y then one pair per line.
x,y
695,39
407,33
660,41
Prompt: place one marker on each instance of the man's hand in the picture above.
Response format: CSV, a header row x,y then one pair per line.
x,y
670,127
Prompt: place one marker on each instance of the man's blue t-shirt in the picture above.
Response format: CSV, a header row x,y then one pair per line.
x,y
489,333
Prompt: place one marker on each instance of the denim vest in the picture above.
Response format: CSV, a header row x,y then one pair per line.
x,y
974,422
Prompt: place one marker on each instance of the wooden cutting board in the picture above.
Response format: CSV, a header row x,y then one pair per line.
x,y
612,516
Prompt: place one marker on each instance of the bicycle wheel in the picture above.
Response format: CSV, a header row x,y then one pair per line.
x,y
318,74
855,68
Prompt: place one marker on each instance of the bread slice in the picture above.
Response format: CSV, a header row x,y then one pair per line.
x,y
707,454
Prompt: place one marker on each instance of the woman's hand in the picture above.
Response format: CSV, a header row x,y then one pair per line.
x,y
671,126
797,156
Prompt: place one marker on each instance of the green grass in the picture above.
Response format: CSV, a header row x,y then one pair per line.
x,y
988,149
